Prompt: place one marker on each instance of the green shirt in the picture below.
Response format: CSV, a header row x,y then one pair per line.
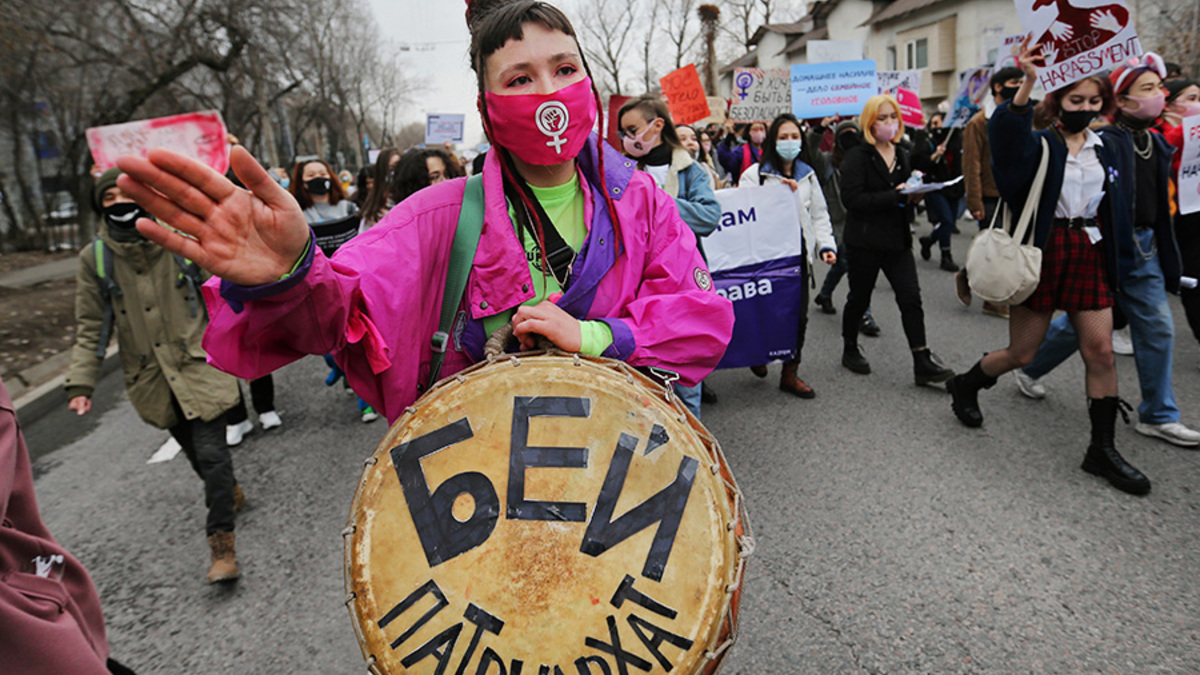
x,y
564,206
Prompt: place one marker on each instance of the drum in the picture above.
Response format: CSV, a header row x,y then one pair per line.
x,y
546,515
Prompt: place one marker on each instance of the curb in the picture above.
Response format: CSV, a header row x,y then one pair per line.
x,y
34,403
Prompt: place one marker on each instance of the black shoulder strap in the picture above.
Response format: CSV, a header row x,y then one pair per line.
x,y
108,289
558,253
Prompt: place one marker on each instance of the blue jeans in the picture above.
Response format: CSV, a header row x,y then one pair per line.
x,y
941,214
1144,302
690,396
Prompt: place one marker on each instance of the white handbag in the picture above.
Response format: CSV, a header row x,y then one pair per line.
x,y
1001,268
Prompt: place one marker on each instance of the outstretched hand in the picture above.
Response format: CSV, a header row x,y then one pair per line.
x,y
249,237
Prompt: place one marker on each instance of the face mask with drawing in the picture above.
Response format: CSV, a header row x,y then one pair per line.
x,y
542,129
641,144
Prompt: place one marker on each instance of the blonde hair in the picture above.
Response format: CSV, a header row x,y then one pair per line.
x,y
870,115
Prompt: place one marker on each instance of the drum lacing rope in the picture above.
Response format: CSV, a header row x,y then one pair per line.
x,y
350,529
370,461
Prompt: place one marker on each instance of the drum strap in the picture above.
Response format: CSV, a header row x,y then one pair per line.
x,y
462,257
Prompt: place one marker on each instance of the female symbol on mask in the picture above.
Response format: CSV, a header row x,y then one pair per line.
x,y
552,119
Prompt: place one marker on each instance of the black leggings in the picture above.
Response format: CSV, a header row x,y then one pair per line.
x,y
901,272
262,393
204,445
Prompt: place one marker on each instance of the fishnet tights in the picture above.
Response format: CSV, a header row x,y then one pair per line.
x,y
1027,329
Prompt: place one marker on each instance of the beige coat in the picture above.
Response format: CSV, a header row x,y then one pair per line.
x,y
158,338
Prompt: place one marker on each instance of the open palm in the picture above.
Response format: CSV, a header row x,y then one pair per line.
x,y
249,237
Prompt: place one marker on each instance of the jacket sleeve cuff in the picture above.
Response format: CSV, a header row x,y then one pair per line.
x,y
79,390
623,345
595,337
237,295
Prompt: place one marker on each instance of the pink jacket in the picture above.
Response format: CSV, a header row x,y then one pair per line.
x,y
376,304
50,619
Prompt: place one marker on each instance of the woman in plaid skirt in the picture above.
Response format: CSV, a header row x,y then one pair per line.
x,y
1076,231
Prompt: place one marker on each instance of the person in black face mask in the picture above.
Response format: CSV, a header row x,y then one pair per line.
x,y
1081,239
939,155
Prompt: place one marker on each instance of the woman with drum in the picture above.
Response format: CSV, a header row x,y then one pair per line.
x,y
781,164
633,285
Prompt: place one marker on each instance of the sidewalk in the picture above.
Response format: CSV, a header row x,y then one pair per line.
x,y
59,269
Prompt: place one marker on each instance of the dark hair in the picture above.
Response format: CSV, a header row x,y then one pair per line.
x,y
1051,106
770,155
1004,75
365,174
936,113
376,204
701,155
412,173
652,107
745,133
1172,67
300,191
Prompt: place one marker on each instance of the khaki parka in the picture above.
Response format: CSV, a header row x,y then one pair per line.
x,y
157,335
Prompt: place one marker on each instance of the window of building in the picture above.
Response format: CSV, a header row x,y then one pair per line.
x,y
916,54
891,58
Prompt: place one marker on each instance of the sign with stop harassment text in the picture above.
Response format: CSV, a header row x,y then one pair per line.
x,y
685,95
1189,167
199,135
1078,37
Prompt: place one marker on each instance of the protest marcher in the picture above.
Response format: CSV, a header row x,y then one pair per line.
x,y
379,201
1081,236
781,164
939,156
279,174
980,184
878,237
237,420
738,157
1183,100
365,182
634,286
418,169
346,179
691,143
648,135
1150,265
319,195
151,299
846,135
49,608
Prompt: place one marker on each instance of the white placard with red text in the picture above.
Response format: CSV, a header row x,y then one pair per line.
x,y
199,135
1189,167
1078,37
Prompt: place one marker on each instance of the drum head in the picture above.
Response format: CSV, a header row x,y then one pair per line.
x,y
548,514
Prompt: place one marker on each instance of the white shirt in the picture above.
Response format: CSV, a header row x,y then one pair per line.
x,y
1083,181
658,173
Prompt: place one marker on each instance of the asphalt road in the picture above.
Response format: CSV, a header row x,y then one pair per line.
x,y
890,539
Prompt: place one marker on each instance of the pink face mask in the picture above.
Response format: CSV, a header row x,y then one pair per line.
x,y
757,137
1186,108
640,145
543,129
885,132
1147,108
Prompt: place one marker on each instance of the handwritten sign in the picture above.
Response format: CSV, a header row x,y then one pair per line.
x,y
972,89
1189,167
1006,50
199,135
1078,37
891,80
442,127
685,95
829,51
760,95
827,89
911,112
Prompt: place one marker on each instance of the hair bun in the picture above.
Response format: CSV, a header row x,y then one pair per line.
x,y
477,10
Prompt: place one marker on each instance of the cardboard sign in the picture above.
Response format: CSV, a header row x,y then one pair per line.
x,y
1078,37
833,89
717,111
199,135
972,89
891,80
911,112
755,256
829,51
441,127
760,95
1006,49
685,95
1189,167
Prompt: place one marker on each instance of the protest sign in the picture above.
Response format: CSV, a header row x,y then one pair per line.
x,y
331,234
891,80
1189,167
755,258
972,88
199,135
685,95
1006,49
760,95
442,127
911,112
832,89
614,123
1078,37
829,51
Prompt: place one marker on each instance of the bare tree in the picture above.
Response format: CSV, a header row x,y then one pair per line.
x,y
608,29
710,16
682,28
649,79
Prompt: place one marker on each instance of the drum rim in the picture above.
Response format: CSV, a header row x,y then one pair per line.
x,y
739,527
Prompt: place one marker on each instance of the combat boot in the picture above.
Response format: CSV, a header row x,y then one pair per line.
x,y
1102,458
964,393
927,369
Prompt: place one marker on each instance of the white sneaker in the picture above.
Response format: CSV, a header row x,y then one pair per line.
x,y
234,433
269,420
369,415
1121,342
1030,387
1171,432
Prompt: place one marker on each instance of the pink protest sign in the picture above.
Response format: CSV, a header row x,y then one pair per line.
x,y
1078,37
199,135
911,112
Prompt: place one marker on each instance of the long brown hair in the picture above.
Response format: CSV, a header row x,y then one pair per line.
x,y
1051,106
300,191
377,199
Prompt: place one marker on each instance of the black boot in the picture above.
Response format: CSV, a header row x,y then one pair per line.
x,y
964,393
1102,458
825,303
868,326
926,247
927,369
707,394
853,359
948,261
